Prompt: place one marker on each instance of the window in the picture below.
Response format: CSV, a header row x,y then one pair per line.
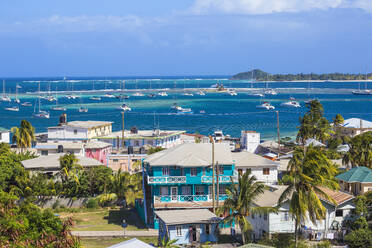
x,y
266,171
220,169
115,160
75,131
207,229
339,213
193,172
164,190
186,190
44,153
179,230
199,190
203,171
222,189
182,172
265,216
166,171
284,216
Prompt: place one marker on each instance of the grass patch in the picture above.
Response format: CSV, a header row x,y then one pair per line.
x,y
105,242
105,219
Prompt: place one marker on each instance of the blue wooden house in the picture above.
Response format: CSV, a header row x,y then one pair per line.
x,y
181,178
188,226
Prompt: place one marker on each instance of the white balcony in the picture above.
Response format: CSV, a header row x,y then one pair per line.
x,y
167,180
186,198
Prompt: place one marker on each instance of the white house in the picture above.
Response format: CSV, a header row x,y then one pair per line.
x,y
79,130
250,140
139,138
265,170
355,126
282,221
4,135
49,148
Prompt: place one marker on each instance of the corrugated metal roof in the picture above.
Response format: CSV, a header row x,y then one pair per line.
x,y
357,174
96,145
3,130
355,123
131,243
187,216
247,159
270,197
52,162
185,155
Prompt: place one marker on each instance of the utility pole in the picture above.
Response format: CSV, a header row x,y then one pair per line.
x,y
213,174
218,183
122,131
278,130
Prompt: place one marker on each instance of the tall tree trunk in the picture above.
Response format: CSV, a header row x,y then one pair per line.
x,y
296,233
243,233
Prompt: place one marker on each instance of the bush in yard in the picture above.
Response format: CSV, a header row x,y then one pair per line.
x,y
55,204
92,203
106,199
359,238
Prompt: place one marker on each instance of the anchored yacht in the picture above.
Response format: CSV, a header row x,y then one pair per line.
x,y
265,105
14,109
292,103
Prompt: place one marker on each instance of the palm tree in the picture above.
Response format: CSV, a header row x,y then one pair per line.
x,y
168,243
24,135
360,152
69,167
307,174
127,186
240,202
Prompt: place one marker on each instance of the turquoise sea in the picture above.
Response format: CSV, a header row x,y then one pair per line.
x,y
220,111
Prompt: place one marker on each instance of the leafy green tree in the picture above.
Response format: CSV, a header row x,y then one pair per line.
x,y
25,225
153,150
338,120
127,186
360,152
24,135
313,124
307,174
168,243
240,203
359,238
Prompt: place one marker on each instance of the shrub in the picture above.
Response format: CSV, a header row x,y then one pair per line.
x,y
324,244
55,204
359,238
106,199
92,203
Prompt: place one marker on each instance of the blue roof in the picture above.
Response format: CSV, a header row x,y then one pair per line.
x,y
359,174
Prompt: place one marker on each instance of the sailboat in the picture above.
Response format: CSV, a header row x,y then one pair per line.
x,y
5,98
40,114
292,103
269,91
363,92
265,105
82,109
26,104
13,108
94,98
58,108
125,107
16,100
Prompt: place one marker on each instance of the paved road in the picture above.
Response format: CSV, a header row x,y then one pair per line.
x,y
141,233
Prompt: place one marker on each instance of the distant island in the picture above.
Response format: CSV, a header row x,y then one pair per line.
x,y
260,75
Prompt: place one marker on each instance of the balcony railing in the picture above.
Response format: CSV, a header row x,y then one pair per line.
x,y
222,179
171,179
186,198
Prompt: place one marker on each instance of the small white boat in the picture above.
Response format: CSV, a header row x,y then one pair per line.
x,y
291,104
362,92
125,107
271,92
42,115
188,94
232,93
50,98
83,110
109,95
56,108
202,111
14,109
26,104
200,93
6,99
72,97
95,98
258,94
138,94
185,111
163,93
265,105
17,101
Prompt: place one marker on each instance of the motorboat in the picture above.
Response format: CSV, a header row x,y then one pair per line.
x,y
95,98
138,94
83,110
50,98
291,104
26,104
42,115
258,94
13,108
200,93
232,93
163,93
362,92
265,105
58,108
188,94
17,101
125,107
72,97
6,99
270,92
109,95
184,111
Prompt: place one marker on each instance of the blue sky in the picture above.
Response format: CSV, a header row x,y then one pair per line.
x,y
183,37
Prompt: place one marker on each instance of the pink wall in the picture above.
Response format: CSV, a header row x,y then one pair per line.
x,y
99,154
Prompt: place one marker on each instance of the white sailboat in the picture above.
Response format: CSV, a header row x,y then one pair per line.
x,y
363,92
125,107
232,92
26,104
13,108
40,114
56,107
16,100
269,91
82,109
163,93
265,105
5,98
292,103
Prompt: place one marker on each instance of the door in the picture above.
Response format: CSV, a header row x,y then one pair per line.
x,y
210,193
174,193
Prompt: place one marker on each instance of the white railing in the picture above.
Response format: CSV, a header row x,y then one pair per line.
x,y
170,179
222,179
186,198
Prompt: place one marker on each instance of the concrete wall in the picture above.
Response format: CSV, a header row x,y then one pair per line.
x,y
5,137
47,202
270,179
250,141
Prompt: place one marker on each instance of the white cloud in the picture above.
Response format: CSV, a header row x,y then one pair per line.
x,y
273,6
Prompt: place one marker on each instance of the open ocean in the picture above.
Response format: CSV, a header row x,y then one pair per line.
x,y
231,114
